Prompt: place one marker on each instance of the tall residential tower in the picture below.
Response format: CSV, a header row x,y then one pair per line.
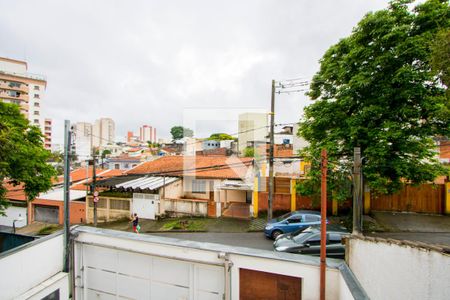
x,y
27,91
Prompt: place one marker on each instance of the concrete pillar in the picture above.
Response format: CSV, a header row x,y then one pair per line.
x,y
255,198
293,195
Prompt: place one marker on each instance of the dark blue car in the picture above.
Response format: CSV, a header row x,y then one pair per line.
x,y
291,222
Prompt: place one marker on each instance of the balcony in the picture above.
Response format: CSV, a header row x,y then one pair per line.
x,y
6,95
7,86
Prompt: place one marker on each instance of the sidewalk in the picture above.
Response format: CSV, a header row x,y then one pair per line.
x,y
412,222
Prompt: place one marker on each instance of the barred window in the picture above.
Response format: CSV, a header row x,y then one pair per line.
x,y
119,204
199,186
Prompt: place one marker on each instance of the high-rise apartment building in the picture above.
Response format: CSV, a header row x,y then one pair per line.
x,y
104,132
147,134
253,130
82,145
27,91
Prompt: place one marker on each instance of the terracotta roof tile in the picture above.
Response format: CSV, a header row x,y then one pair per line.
x,y
199,166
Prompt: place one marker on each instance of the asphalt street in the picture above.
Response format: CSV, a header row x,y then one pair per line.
x,y
243,239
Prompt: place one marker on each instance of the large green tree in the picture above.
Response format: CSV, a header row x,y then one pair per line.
x,y
376,90
23,159
179,132
220,137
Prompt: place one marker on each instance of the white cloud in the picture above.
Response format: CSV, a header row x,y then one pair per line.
x,y
143,62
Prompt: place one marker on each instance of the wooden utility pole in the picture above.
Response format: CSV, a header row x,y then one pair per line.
x,y
272,125
323,224
67,142
357,191
94,182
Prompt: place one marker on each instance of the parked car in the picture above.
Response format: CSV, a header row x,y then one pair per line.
x,y
308,241
291,222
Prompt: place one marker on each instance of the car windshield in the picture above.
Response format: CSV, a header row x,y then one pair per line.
x,y
302,237
281,218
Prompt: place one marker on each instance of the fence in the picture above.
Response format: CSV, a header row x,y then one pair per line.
x,y
426,198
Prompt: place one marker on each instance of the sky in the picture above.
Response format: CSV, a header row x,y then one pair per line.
x,y
149,62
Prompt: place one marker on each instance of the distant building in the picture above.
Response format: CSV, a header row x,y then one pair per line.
x,y
82,145
104,132
299,142
147,134
252,130
27,90
129,136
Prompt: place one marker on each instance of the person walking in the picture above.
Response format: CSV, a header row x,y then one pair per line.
x,y
135,221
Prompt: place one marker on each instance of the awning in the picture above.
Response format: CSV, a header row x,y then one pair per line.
x,y
139,182
236,185
147,183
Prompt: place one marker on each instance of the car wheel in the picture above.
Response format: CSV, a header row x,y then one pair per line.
x,y
276,233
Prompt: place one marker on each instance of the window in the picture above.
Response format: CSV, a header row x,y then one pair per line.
x,y
13,94
314,240
36,88
334,238
36,113
14,84
117,166
36,104
295,219
312,218
36,121
126,166
199,186
36,96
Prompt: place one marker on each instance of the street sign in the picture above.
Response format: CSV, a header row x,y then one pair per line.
x,y
96,196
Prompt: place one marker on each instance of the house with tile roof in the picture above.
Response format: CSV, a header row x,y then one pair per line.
x,y
48,207
199,185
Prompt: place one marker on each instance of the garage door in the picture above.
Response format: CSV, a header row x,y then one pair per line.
x,y
46,214
268,286
116,274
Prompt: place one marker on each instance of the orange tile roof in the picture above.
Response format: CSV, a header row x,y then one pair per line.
x,y
15,192
81,186
80,174
199,166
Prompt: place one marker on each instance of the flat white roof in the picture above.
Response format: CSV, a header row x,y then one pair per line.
x,y
58,195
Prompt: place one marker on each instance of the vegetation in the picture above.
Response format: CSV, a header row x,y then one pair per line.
x,y
179,132
184,224
23,158
249,152
49,229
376,90
220,137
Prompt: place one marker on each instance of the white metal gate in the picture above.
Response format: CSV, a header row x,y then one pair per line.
x,y
145,205
116,274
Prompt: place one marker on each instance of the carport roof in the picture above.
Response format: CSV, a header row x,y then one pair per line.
x,y
138,182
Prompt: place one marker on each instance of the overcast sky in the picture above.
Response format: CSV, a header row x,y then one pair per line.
x,y
146,62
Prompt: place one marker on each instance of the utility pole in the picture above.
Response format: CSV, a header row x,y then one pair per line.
x,y
67,134
272,125
94,182
357,191
323,223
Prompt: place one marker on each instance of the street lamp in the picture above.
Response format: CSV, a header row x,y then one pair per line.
x,y
14,223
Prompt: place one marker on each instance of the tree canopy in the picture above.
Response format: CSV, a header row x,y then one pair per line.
x,y
376,90
23,159
220,137
179,132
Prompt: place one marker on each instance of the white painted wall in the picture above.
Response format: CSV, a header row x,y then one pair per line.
x,y
137,251
13,213
391,271
27,268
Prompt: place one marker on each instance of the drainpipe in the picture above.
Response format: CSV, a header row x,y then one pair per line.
x,y
227,265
